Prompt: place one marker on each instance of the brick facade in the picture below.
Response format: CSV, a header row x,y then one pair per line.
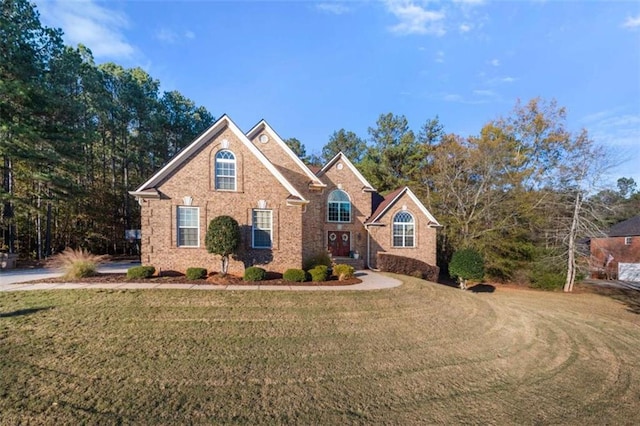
x,y
601,248
296,197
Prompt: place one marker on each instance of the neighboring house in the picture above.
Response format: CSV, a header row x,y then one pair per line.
x,y
287,212
621,245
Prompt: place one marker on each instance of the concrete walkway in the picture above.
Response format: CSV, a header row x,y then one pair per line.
x,y
370,281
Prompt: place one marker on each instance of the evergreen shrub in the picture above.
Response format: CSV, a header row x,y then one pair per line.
x,y
140,272
407,266
319,273
343,272
196,273
295,275
254,273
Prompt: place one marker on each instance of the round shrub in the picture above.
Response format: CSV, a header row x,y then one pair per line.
x,y
254,273
295,275
343,272
140,272
196,273
466,264
319,273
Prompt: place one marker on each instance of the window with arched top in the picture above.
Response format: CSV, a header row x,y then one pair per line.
x,y
339,207
225,170
404,230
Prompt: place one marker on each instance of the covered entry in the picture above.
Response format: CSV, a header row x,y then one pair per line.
x,y
339,243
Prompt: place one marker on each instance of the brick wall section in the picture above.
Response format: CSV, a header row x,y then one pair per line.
x,y
622,253
425,241
195,179
284,163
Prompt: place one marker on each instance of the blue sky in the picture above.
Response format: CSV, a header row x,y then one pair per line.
x,y
310,68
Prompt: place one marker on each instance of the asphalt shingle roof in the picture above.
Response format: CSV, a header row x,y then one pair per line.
x,y
627,228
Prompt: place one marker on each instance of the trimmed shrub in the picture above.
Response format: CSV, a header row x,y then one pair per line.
x,y
196,273
319,273
77,263
223,238
343,272
466,264
141,272
254,273
322,258
295,275
407,266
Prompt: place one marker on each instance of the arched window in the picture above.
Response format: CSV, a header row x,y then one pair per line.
x,y
225,175
339,207
404,229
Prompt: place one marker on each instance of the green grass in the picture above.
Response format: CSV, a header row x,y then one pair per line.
x,y
419,353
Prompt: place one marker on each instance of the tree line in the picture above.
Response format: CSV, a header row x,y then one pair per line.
x,y
525,191
75,137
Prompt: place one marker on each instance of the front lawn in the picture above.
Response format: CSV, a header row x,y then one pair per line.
x,y
419,353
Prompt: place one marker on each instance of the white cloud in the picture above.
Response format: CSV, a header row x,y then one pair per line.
x,y
100,29
440,57
464,28
495,62
489,93
632,22
335,8
166,35
614,127
452,97
170,36
508,79
415,19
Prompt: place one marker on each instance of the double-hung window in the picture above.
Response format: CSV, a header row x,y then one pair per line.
x,y
225,172
403,230
262,229
188,226
339,207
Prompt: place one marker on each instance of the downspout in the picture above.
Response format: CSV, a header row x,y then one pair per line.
x,y
369,249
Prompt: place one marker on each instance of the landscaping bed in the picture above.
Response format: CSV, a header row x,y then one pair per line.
x,y
212,279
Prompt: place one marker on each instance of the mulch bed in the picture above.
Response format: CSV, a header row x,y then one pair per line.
x,y
212,279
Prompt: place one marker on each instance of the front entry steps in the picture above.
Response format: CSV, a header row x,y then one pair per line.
x,y
358,264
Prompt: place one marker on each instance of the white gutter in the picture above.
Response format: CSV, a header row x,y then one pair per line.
x,y
366,226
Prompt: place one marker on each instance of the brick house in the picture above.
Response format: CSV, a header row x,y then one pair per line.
x,y
621,245
286,211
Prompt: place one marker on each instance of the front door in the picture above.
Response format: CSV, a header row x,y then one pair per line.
x,y
339,243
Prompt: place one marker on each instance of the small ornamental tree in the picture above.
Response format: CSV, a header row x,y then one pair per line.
x,y
223,238
466,264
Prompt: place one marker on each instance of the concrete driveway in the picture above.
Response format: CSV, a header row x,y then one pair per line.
x,y
614,283
14,276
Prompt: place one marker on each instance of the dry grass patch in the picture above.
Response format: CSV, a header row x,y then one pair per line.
x,y
420,353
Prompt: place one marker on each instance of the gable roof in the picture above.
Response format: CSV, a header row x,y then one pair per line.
x,y
391,198
148,189
367,186
264,125
627,228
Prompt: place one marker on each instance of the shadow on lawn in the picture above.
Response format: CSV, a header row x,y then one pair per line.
x,y
21,312
630,297
482,288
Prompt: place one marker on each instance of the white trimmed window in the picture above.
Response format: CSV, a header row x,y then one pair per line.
x,y
339,207
262,229
628,241
404,230
188,226
225,170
